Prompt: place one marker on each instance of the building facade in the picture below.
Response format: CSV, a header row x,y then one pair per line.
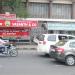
x,y
56,9
50,9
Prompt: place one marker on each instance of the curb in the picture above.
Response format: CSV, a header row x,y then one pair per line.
x,y
26,48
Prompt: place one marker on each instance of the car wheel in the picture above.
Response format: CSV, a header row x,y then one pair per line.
x,y
70,60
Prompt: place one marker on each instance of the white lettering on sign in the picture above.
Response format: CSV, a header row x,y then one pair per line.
x,y
33,24
0,24
10,34
19,24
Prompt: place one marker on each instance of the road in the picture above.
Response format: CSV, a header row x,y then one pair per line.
x,y
28,62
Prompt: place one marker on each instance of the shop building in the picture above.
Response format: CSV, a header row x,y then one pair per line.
x,y
57,26
51,9
56,9
46,11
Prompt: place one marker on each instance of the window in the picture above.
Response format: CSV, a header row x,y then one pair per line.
x,y
70,37
72,44
52,38
38,10
60,43
62,37
61,11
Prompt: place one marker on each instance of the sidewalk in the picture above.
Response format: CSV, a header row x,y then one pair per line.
x,y
26,47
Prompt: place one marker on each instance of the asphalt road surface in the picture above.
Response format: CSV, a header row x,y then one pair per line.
x,y
28,62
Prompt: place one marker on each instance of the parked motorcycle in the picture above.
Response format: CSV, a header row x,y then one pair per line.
x,y
9,50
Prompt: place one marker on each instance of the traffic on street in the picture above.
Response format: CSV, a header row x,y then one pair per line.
x,y
37,37
29,62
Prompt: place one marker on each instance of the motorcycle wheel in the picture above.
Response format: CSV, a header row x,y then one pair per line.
x,y
13,53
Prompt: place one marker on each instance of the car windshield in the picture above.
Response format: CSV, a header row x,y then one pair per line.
x,y
61,43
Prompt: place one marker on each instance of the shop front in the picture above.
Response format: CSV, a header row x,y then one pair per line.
x,y
16,29
61,27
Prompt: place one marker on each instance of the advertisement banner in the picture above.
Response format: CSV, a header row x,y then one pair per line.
x,y
16,28
18,23
14,34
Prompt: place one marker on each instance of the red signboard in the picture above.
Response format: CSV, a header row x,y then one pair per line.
x,y
16,28
18,23
8,16
14,32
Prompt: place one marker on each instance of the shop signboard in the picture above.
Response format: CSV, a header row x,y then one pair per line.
x,y
14,34
69,26
16,28
18,23
7,16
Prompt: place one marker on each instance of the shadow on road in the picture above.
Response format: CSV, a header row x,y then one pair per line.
x,y
44,56
57,62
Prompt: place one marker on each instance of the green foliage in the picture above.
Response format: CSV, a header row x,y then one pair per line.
x,y
20,10
16,7
7,3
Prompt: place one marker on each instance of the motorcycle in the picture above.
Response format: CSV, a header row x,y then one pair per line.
x,y
8,50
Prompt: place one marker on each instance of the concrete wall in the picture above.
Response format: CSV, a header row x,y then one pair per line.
x,y
54,1
72,2
42,1
73,10
62,1
47,1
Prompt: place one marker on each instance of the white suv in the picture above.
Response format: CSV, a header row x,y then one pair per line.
x,y
45,40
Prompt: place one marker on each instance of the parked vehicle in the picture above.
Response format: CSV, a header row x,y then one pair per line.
x,y
7,48
10,50
64,51
45,40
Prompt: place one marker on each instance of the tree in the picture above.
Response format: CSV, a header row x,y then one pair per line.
x,y
0,6
20,10
15,6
